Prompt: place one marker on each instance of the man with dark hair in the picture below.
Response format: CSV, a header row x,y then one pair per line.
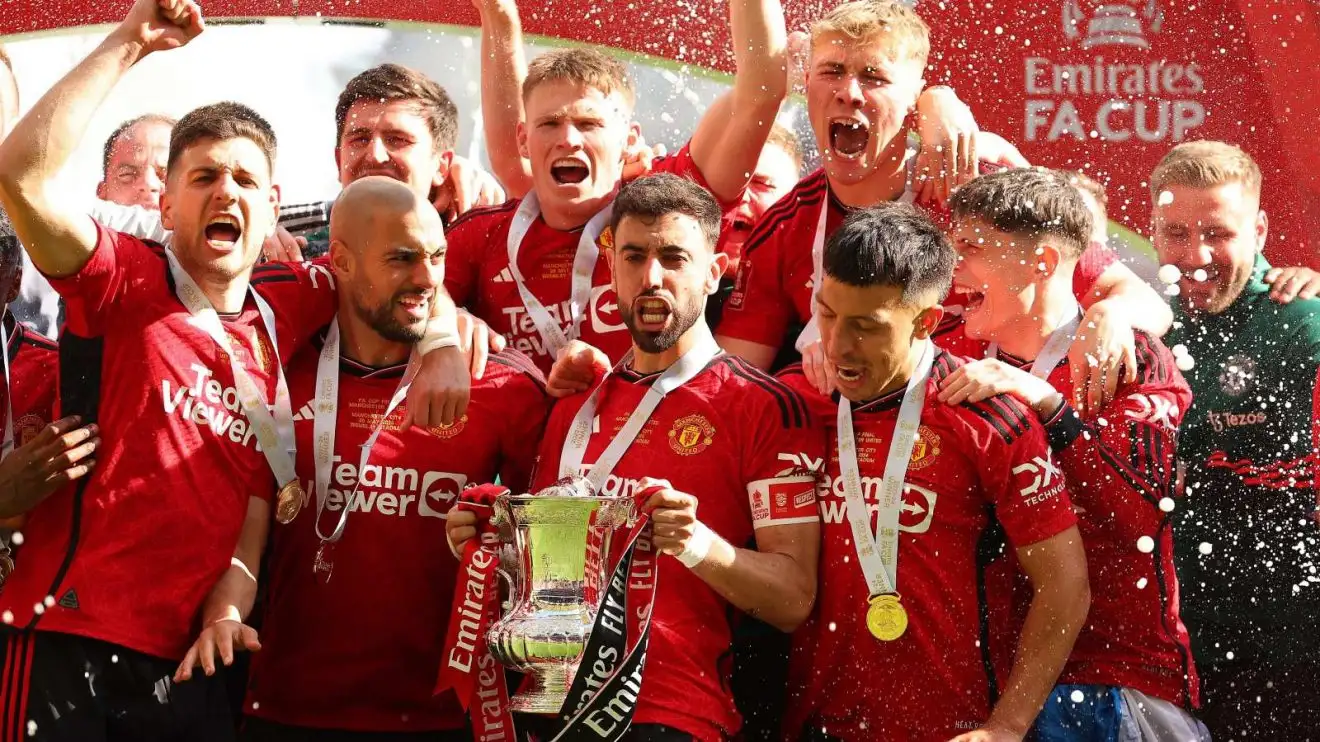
x,y
382,536
133,164
910,605
713,431
394,121
175,354
1019,234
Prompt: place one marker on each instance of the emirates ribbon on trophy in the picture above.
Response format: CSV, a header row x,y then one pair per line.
x,y
603,697
468,666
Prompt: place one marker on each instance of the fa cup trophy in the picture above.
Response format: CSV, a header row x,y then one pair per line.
x,y
555,556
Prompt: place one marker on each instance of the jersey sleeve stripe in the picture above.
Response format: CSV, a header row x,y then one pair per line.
x,y
1014,417
782,211
995,422
792,409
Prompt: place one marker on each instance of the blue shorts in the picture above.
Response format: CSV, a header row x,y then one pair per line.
x,y
1081,713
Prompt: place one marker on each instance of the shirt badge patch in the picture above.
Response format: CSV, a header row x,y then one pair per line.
x,y
27,427
606,239
1237,375
445,432
691,435
926,449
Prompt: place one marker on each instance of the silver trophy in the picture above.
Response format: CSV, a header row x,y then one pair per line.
x,y
555,556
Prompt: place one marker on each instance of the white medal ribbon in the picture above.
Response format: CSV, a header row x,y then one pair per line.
x,y
274,431
811,333
9,393
579,433
584,266
1055,348
878,553
326,415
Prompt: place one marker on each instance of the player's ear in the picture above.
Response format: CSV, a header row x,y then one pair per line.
x,y
1262,229
1047,258
718,264
522,141
166,210
609,260
926,321
341,258
443,168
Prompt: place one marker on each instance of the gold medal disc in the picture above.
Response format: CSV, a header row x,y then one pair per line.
x,y
289,502
886,618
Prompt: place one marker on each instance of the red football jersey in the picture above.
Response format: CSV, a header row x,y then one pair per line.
x,y
33,361
155,525
1120,464
936,680
774,283
392,582
730,436
477,275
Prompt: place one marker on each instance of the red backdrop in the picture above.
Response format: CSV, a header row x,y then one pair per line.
x,y
1107,87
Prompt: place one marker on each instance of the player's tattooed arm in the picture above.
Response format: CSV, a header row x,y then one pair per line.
x,y
54,229
231,600
503,69
776,582
731,134
1056,568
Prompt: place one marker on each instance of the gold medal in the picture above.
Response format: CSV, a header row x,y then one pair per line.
x,y
886,617
289,502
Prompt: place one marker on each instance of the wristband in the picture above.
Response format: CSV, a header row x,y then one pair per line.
x,y
441,332
697,547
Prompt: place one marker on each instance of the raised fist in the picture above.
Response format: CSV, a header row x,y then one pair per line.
x,y
159,25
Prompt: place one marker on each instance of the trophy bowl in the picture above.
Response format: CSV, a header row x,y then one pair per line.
x,y
555,557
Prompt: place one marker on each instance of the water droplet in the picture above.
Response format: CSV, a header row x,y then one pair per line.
x,y
1145,544
1141,584
17,538
1199,274
49,601
1179,350
1205,547
32,729
1229,655
7,617
1166,198
1077,696
833,627
1169,274
1166,504
1184,363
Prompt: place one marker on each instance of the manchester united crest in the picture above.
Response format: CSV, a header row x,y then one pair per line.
x,y
27,427
926,449
606,239
449,431
1237,375
691,435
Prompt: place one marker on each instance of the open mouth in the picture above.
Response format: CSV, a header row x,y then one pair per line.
x,y
848,138
970,298
418,305
569,171
652,312
849,374
223,231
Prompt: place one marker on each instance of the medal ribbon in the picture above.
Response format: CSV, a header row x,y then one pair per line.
x,y
811,333
579,433
878,554
274,430
326,412
584,265
1055,348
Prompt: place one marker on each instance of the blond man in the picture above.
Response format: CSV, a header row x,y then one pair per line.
x,y
1247,542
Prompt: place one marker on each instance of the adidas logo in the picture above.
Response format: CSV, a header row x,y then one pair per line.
x,y
505,276
69,600
306,413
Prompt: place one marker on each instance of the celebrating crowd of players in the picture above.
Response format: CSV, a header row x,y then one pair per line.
x,y
980,497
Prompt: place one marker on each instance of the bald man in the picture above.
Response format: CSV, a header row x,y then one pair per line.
x,y
361,579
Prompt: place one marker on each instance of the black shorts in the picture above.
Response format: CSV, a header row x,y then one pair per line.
x,y
260,730
65,688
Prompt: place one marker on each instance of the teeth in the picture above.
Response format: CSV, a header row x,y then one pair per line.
x,y
568,162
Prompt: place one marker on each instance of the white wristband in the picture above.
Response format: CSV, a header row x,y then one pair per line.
x,y
697,547
441,332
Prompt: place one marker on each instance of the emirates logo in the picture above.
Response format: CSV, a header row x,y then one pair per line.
x,y
1112,24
